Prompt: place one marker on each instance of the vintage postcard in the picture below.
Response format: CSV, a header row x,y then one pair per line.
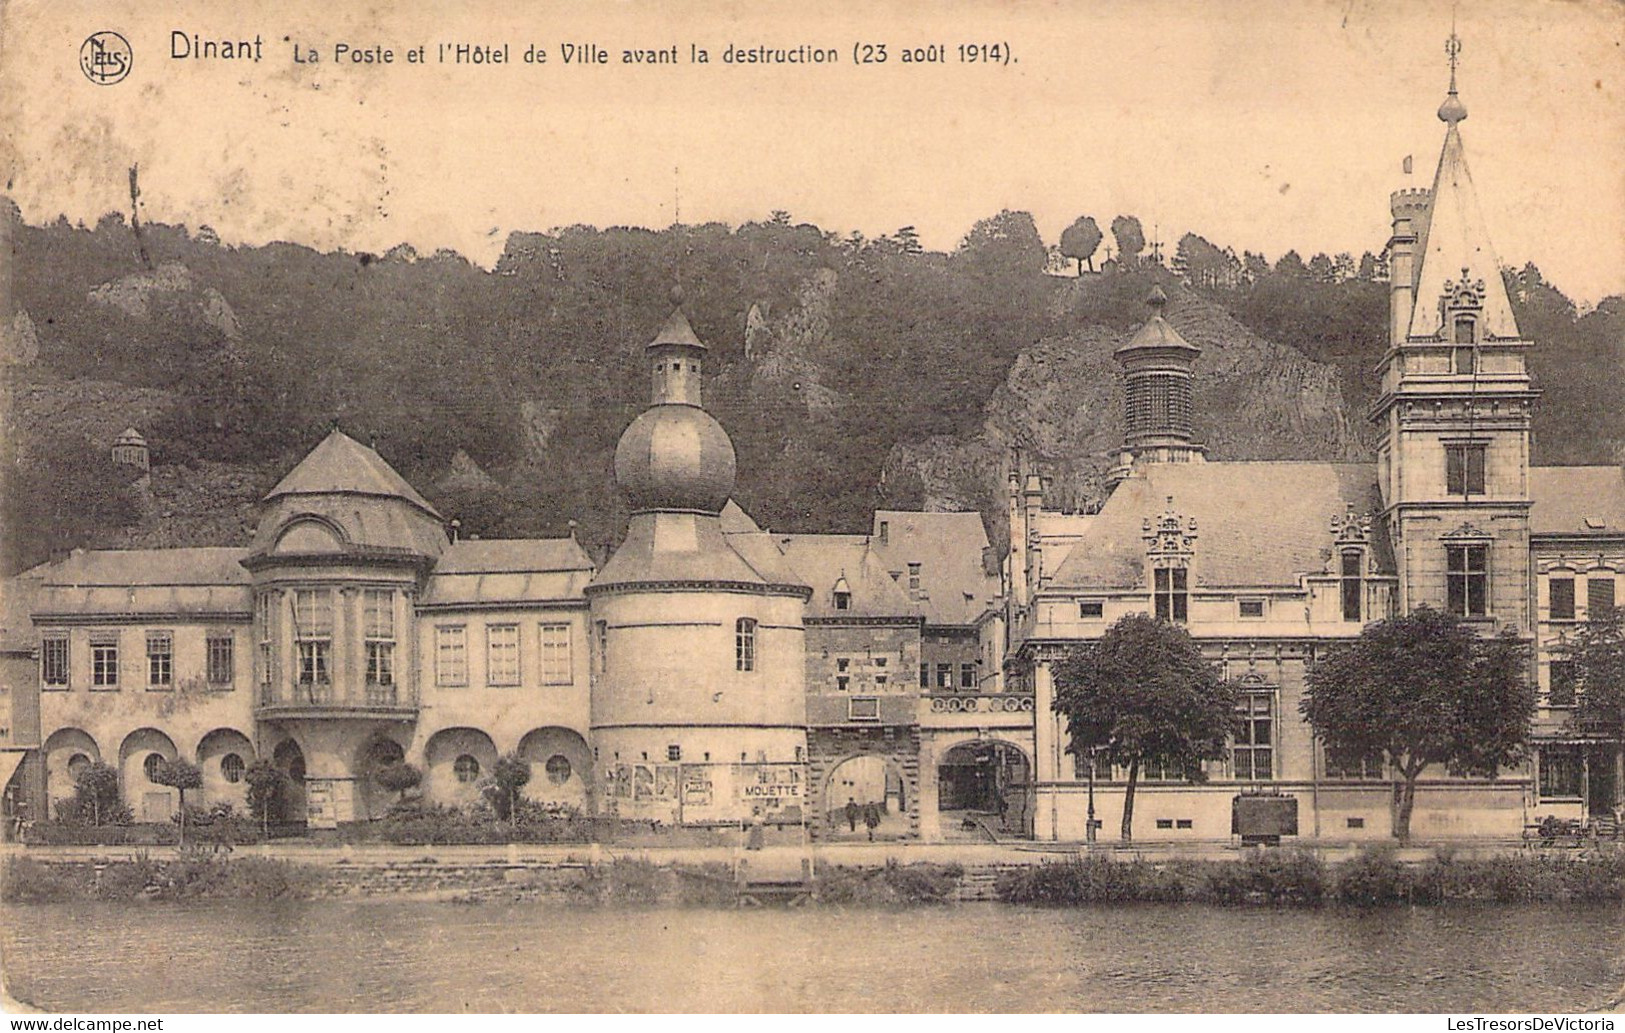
x,y
990,507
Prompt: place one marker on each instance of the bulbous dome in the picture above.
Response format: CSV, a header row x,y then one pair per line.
x,y
675,457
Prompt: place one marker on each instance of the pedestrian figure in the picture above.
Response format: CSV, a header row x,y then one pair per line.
x,y
851,814
754,840
871,819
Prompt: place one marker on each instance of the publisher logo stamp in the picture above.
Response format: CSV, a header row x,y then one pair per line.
x,y
105,58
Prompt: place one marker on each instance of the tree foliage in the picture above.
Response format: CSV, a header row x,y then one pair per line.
x,y
1080,240
398,777
1130,238
179,774
1423,690
511,774
267,790
1597,651
96,794
1141,692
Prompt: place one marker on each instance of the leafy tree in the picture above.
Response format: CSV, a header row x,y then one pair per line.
x,y
1598,653
1291,264
1140,692
267,791
1423,690
511,774
1368,267
1130,239
180,775
1080,240
95,790
1321,268
398,777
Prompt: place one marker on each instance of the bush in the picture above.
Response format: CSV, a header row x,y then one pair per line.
x,y
921,883
416,823
1092,880
1271,876
1374,877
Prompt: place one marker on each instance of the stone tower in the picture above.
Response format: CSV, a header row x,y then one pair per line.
x,y
1454,409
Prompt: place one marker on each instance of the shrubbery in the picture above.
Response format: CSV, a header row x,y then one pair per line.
x,y
416,823
893,884
190,876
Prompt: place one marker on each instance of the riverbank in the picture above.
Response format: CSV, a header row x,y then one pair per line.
x,y
1275,877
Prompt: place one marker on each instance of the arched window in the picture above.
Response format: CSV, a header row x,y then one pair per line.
x,y
745,644
466,768
77,764
231,767
151,766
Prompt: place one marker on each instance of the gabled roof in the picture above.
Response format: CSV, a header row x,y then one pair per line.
x,y
823,560
1584,500
955,586
341,465
17,595
1454,238
692,547
1257,524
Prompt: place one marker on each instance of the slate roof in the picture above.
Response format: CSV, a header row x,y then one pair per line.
x,y
512,556
1454,238
955,587
1585,500
342,465
822,560
1257,524
17,596
710,555
168,581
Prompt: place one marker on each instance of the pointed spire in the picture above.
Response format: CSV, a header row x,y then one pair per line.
x,y
1452,110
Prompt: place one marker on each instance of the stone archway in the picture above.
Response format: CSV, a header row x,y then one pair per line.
x,y
138,759
290,760
224,755
862,780
560,768
983,789
67,751
371,799
456,762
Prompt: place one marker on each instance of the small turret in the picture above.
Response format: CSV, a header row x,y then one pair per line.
x,y
131,450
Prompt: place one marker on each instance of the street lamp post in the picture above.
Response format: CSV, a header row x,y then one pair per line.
x,y
1089,834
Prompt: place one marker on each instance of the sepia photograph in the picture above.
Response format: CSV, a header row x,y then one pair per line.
x,y
867,508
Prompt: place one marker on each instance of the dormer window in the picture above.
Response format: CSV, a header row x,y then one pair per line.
x,y
1463,361
1172,594
1464,333
842,594
1351,585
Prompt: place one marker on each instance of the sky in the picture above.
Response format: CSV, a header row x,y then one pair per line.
x,y
1263,126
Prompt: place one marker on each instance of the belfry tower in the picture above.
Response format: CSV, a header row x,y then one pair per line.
x,y
1454,409
1159,386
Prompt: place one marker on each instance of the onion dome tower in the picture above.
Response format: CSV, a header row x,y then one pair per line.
x,y
1159,381
698,654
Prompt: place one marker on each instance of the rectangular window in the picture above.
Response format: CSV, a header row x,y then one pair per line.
x,y
262,624
221,661
925,676
945,676
863,708
1254,749
674,752
967,676
1462,358
1350,765
378,625
556,660
502,654
313,636
1080,767
53,661
1091,609
843,600
1464,469
1353,587
1561,772
1560,690
1251,609
1184,823
1172,594
842,683
381,664
913,579
160,660
1161,769
451,655
600,635
1562,592
1599,595
744,644
104,663
1467,579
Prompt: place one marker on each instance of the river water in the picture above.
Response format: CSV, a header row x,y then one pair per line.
x,y
389,955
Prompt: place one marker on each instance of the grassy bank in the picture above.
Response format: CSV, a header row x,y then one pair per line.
x,y
1299,878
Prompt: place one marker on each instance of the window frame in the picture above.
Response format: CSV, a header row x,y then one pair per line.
x,y
1569,611
50,644
451,656
863,708
745,644
1243,604
1460,470
1569,681
1171,595
1549,789
556,652
1085,606
160,660
1253,708
104,664
1596,606
967,676
497,675
1351,585
1459,581
215,646
313,641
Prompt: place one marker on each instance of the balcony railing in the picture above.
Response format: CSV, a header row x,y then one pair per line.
x,y
327,698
